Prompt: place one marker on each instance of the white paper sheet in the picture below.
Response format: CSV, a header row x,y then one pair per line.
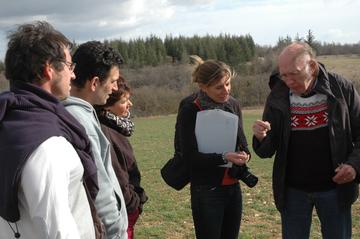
x,y
216,131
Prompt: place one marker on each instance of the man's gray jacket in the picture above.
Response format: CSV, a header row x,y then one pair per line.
x,y
109,203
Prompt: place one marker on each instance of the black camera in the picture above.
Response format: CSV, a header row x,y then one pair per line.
x,y
242,173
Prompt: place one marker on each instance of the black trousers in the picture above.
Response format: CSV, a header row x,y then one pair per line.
x,y
216,211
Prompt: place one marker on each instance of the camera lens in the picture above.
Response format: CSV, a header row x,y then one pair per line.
x,y
250,180
242,173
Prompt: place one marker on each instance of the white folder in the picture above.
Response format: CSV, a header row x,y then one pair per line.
x,y
216,131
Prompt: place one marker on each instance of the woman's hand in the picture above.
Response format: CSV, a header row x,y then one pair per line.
x,y
239,158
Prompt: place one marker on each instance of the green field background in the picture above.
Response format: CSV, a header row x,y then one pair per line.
x,y
167,214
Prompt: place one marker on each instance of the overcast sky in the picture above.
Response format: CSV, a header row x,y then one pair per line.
x,y
265,20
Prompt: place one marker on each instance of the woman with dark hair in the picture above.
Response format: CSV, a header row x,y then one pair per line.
x,y
117,126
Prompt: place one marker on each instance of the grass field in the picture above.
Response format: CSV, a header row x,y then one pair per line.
x,y
345,65
167,214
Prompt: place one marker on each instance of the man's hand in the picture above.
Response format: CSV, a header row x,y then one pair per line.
x,y
345,173
260,129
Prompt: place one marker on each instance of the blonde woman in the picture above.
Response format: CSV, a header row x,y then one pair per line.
x,y
216,199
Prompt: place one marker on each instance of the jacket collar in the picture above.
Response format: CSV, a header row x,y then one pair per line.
x,y
279,95
323,82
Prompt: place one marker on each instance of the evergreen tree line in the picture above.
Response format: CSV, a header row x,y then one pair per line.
x,y
232,49
159,74
321,48
153,51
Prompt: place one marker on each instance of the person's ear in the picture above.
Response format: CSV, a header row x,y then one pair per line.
x,y
202,87
47,72
94,83
313,66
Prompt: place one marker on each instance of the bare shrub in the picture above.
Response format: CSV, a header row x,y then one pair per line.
x,y
150,100
170,76
158,90
251,90
4,84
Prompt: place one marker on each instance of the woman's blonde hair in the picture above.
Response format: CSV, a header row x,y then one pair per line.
x,y
210,71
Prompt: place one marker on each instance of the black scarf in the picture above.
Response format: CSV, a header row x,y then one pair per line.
x,y
123,125
28,117
206,103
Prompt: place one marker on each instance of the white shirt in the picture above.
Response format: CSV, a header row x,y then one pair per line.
x,y
52,200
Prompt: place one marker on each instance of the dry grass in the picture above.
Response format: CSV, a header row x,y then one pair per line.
x,y
345,65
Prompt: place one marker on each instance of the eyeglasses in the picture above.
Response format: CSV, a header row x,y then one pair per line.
x,y
70,65
293,73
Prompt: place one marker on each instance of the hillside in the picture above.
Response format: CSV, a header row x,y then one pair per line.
x,y
346,65
157,90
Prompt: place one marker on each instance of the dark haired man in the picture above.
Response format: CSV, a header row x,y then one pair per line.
x,y
44,150
311,121
97,71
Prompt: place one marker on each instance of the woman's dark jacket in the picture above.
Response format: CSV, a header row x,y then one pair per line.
x,y
125,167
204,167
344,131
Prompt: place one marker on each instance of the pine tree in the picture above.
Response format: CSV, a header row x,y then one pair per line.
x,y
310,38
282,42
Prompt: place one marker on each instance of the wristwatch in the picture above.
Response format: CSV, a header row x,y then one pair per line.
x,y
223,157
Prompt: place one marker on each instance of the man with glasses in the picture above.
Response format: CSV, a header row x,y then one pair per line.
x,y
45,154
97,71
311,121
70,65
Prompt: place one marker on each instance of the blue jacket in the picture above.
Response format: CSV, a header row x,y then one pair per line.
x,y
109,203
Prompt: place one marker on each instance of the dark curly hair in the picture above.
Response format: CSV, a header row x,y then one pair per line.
x,y
93,59
123,88
30,48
